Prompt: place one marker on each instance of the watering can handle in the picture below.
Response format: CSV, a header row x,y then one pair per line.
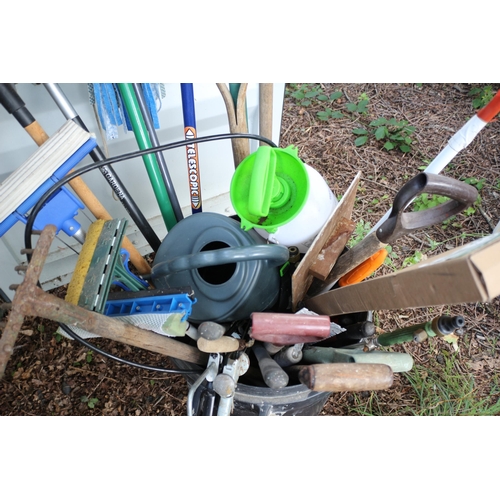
x,y
275,254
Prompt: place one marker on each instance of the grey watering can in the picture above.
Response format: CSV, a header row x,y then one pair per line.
x,y
232,272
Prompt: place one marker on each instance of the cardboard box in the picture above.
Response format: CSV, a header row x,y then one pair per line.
x,y
467,274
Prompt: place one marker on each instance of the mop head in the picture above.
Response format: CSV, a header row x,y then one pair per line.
x,y
111,110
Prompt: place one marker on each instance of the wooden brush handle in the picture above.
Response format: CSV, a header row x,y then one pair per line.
x,y
37,133
237,120
266,111
340,377
99,212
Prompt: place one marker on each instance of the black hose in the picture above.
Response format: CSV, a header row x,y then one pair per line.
x,y
124,196
116,159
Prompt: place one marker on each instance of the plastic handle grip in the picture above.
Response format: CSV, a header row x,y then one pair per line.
x,y
262,182
365,269
491,109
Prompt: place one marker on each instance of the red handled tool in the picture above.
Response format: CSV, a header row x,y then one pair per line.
x,y
289,329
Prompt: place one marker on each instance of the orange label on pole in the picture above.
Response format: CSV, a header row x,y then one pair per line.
x,y
491,109
193,170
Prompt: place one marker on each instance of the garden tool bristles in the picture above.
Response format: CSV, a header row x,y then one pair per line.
x,y
100,265
95,269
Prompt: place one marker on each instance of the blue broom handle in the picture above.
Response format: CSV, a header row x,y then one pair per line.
x,y
188,112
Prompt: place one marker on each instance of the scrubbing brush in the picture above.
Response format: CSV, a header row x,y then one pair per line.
x,y
100,265
96,267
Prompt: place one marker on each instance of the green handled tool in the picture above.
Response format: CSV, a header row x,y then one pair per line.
x,y
398,361
144,142
440,325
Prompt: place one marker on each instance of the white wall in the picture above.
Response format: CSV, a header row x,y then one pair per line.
x,y
215,159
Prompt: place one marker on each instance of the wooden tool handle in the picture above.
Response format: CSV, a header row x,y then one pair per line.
x,y
37,133
237,120
340,377
223,344
266,111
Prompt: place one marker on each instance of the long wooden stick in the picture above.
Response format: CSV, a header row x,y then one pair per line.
x,y
266,110
237,118
30,300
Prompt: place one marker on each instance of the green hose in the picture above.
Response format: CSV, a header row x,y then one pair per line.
x,y
144,142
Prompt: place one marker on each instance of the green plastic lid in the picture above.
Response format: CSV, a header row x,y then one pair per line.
x,y
269,188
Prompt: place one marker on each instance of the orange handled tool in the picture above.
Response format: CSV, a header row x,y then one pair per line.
x,y
400,223
486,114
365,269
